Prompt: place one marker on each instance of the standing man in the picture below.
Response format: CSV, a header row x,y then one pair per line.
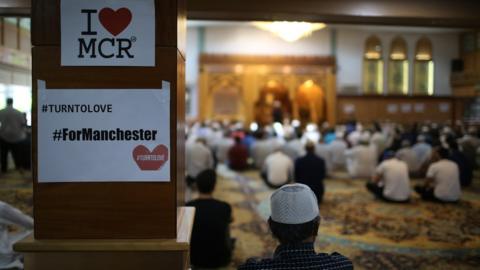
x,y
390,181
310,170
12,133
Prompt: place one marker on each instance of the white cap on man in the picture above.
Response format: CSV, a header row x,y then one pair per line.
x,y
294,204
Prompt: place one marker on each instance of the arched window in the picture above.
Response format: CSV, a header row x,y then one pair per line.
x,y
398,67
373,66
423,68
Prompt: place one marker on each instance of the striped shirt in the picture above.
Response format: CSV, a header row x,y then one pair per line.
x,y
299,257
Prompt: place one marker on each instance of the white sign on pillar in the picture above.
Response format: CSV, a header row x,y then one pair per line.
x,y
103,135
107,33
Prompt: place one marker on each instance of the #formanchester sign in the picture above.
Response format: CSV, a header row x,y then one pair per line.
x,y
107,32
103,135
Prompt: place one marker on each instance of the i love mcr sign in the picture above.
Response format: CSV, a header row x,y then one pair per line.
x,y
107,33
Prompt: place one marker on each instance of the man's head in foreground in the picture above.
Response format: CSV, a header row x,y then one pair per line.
x,y
295,216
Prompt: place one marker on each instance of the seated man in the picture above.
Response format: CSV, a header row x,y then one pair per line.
x,y
423,150
361,159
294,221
238,155
323,150
310,170
294,146
457,156
407,155
337,149
10,216
390,181
198,157
443,183
277,169
211,245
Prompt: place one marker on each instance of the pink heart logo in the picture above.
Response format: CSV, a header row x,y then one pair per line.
x,y
115,21
150,161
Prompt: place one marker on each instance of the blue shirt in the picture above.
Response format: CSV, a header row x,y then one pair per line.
x,y
329,137
299,256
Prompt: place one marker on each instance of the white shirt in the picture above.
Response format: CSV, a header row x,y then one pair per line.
x,y
260,150
394,177
12,216
408,156
12,125
361,161
198,158
222,147
423,152
294,149
354,137
379,141
322,150
279,168
446,180
337,149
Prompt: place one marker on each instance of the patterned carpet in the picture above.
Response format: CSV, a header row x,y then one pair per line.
x,y
374,234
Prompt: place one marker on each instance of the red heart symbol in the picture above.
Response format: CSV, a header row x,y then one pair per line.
x,y
150,161
115,21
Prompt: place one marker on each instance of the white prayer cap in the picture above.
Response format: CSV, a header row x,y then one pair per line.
x,y
294,204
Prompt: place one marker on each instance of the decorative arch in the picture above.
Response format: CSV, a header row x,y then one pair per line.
x,y
373,66
273,102
310,101
398,67
423,67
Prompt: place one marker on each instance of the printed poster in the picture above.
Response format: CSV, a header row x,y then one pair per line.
x,y
107,33
103,135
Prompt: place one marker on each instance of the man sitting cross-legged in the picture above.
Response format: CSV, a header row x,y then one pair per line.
x,y
294,221
443,183
211,245
390,181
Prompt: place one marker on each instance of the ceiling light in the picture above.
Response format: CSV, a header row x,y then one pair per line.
x,y
290,31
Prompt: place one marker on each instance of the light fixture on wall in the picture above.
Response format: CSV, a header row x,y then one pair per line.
x,y
290,31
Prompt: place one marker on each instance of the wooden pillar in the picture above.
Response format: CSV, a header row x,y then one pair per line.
x,y
111,210
71,211
331,97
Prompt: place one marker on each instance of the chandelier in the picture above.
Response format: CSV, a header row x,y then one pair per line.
x,y
290,31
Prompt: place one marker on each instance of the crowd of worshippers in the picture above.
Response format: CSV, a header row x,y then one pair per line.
x,y
387,154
